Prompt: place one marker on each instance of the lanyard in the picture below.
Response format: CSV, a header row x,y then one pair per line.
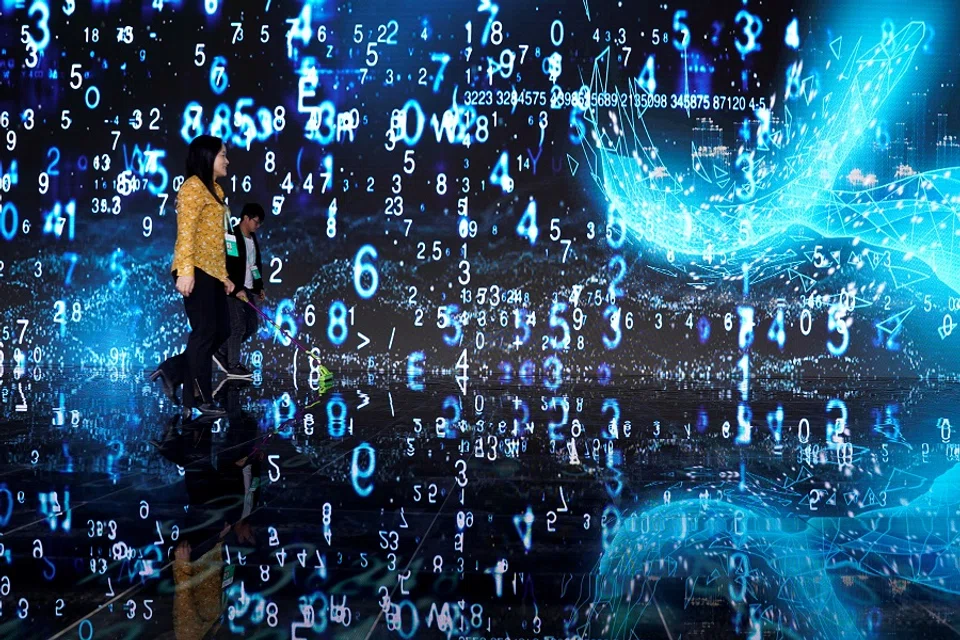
x,y
226,219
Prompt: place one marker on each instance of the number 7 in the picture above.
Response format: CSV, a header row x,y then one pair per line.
x,y
26,323
628,50
444,60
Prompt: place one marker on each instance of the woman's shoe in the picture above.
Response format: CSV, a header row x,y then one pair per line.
x,y
168,389
208,409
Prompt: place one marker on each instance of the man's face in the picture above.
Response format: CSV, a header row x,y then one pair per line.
x,y
250,225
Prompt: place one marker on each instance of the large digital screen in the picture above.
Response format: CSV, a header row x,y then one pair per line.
x,y
641,319
578,189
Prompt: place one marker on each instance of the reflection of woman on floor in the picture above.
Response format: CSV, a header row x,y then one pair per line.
x,y
221,501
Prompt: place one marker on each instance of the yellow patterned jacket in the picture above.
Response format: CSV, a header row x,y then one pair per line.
x,y
197,600
199,231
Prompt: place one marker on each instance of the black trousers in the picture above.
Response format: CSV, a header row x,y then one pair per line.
x,y
209,320
243,324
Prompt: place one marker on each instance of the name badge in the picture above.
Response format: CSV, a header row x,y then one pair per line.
x,y
231,241
255,272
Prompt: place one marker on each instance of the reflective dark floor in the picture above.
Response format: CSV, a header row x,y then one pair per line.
x,y
376,508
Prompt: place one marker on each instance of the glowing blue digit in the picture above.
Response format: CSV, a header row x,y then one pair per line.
x,y
775,424
415,370
615,220
72,257
604,373
414,616
527,371
192,125
792,37
486,5
444,60
752,29
793,84
337,328
451,402
54,153
577,124
613,426
777,332
614,290
218,75
299,28
453,340
220,126
403,123
92,104
648,79
613,313
744,429
41,7
552,427
266,124
154,167
244,124
357,474
738,576
835,323
336,422
702,420
678,25
836,427
746,161
361,268
554,370
120,280
557,321
703,329
507,370
284,410
527,227
500,176
520,321
284,316
5,517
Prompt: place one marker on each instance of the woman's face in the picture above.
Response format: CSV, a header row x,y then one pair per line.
x,y
220,164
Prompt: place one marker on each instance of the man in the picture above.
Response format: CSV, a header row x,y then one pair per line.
x,y
245,270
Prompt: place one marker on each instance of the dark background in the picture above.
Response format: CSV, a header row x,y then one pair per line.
x,y
118,274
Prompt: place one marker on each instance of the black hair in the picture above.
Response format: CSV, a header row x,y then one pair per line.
x,y
253,210
201,155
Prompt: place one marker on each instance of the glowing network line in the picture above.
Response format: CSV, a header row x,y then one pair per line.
x,y
792,180
789,564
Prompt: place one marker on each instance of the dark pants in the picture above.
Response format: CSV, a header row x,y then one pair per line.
x,y
209,327
243,324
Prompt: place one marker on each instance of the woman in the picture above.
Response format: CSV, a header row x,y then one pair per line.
x,y
200,272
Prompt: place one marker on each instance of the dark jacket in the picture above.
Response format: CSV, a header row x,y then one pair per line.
x,y
237,267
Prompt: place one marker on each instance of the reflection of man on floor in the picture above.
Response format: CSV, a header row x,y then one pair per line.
x,y
244,269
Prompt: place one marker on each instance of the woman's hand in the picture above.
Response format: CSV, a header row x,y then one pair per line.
x,y
185,285
242,296
228,286
183,551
